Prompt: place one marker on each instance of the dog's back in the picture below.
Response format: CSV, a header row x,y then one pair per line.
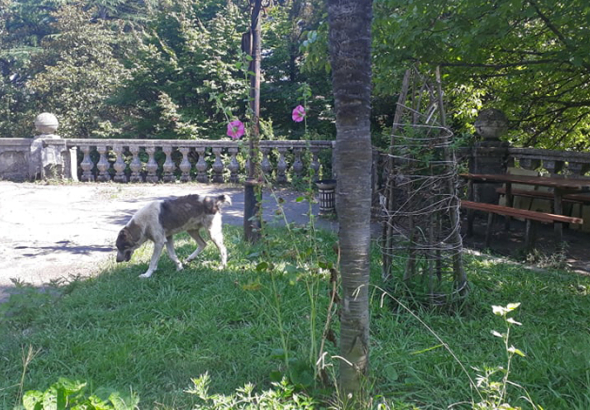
x,y
189,212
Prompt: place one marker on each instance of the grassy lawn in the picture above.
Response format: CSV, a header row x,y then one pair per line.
x,y
256,322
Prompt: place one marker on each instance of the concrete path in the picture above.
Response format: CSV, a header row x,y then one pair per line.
x,y
56,232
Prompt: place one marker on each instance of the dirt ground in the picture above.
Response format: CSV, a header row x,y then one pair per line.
x,y
510,244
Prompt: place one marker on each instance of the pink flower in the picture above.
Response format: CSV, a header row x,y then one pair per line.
x,y
298,113
235,129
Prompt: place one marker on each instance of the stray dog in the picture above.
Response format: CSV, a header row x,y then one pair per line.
x,y
158,221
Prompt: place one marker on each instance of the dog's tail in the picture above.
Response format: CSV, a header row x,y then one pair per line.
x,y
223,200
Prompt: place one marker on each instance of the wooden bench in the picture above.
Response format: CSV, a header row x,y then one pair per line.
x,y
529,193
531,218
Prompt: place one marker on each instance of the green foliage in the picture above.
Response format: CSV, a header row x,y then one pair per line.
x,y
78,73
183,58
72,74
494,392
524,57
71,394
142,68
281,396
117,67
285,38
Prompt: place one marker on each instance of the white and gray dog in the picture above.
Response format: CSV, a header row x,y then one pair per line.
x,y
158,221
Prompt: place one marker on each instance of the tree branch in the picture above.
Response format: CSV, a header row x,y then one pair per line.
x,y
549,24
505,65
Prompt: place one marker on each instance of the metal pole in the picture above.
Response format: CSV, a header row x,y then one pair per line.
x,y
252,188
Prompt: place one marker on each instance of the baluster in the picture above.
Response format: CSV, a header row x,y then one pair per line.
x,y
87,164
578,168
265,164
553,166
201,166
281,166
217,166
103,164
135,164
119,165
529,163
315,163
234,166
297,164
152,165
185,165
168,167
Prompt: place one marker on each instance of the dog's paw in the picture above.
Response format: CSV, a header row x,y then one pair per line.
x,y
145,275
179,267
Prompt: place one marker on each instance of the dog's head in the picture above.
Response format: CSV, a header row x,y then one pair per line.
x,y
127,242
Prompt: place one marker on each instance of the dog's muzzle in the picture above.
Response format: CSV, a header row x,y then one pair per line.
x,y
123,256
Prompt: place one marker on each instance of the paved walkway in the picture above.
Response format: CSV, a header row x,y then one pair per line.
x,y
54,232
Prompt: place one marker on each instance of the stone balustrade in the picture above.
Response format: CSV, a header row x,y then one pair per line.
x,y
104,160
14,158
556,163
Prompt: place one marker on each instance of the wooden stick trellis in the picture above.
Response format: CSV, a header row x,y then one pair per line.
x,y
420,207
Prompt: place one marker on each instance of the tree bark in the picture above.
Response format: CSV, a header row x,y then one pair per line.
x,y
350,54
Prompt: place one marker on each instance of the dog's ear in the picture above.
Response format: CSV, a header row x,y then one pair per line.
x,y
122,238
134,231
129,235
223,199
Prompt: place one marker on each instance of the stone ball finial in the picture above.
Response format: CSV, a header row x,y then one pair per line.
x,y
491,123
46,123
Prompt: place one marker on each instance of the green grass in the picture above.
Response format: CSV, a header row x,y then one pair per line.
x,y
252,323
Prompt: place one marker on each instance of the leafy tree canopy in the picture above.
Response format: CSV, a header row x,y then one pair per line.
x,y
528,58
158,62
76,72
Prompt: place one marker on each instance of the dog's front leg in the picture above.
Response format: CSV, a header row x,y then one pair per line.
x,y
158,246
216,236
200,244
172,253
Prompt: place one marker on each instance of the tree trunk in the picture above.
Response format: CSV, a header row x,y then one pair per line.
x,y
350,44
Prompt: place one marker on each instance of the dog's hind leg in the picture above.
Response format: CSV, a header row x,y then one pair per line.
x,y
158,246
172,253
200,242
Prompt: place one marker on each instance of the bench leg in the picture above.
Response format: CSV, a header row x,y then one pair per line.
x,y
558,231
507,222
489,230
509,204
470,218
530,235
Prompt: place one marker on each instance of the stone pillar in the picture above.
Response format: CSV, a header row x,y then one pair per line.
x,y
45,161
490,154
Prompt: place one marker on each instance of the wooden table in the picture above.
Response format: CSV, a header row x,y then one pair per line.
x,y
561,187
